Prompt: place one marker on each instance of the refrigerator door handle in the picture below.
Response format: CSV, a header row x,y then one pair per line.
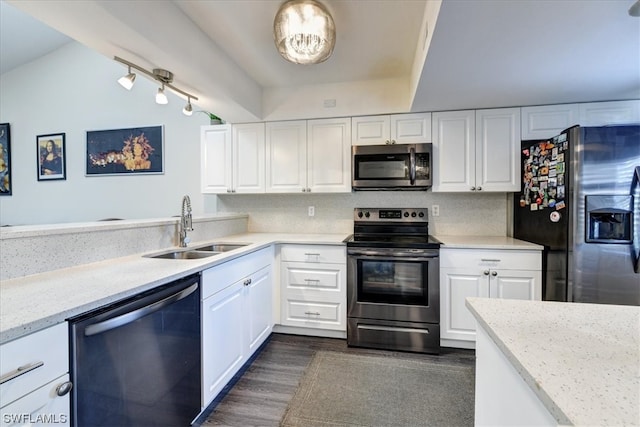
x,y
635,254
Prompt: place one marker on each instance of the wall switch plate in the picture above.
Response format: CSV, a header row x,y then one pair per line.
x,y
435,210
312,211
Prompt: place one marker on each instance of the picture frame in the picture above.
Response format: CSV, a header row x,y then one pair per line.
x,y
51,157
5,160
128,151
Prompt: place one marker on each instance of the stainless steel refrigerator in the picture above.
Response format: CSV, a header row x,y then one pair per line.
x,y
580,198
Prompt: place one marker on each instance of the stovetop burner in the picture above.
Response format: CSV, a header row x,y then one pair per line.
x,y
394,228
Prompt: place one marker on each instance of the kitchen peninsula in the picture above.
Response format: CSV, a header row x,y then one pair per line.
x,y
554,363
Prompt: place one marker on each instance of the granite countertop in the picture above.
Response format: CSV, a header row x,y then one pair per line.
x,y
581,360
486,242
34,302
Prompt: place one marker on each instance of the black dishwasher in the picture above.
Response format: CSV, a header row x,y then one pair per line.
x,y
137,362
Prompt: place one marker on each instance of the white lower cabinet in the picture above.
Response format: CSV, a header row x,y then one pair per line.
x,y
512,274
313,286
35,378
236,317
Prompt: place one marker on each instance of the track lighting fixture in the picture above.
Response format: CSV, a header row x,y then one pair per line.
x,y
127,81
187,110
163,76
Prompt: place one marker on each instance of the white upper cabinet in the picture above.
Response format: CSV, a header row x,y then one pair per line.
x,y
391,129
309,156
216,159
476,150
232,158
248,158
546,121
329,155
286,156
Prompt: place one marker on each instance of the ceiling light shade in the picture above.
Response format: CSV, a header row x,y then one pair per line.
x,y
127,81
304,32
187,110
634,10
161,98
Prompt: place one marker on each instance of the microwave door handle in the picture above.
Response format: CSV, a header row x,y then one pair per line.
x,y
635,255
412,165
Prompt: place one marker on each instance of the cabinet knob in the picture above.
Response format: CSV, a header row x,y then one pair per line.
x,y
228,190
494,273
247,282
486,272
308,190
387,142
479,189
64,388
304,190
393,141
473,188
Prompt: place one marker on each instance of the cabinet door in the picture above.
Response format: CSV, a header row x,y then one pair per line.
x,y
258,309
516,284
286,145
329,155
248,158
498,150
411,128
216,159
370,130
609,113
454,151
547,121
456,322
223,340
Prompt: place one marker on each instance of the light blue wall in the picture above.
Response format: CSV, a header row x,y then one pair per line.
x,y
73,90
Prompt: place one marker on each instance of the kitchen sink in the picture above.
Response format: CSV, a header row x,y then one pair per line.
x,y
192,254
220,247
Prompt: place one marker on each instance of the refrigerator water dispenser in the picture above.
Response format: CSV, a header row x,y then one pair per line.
x,y
609,219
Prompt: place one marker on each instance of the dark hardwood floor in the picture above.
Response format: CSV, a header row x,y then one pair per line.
x,y
259,395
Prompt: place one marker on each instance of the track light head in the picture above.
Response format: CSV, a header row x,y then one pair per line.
x,y
161,98
187,110
127,81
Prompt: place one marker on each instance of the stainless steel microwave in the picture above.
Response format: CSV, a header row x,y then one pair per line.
x,y
391,167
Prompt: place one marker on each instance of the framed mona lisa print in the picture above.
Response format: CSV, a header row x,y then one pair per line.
x,y
51,157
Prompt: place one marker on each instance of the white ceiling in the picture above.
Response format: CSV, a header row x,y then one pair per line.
x,y
483,53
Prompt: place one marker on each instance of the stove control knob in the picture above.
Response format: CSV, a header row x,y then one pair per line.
x,y
421,214
367,214
406,214
413,214
360,214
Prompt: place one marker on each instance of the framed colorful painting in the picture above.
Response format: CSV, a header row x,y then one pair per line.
x,y
125,151
51,157
5,160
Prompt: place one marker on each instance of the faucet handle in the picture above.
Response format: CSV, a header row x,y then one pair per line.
x,y
186,240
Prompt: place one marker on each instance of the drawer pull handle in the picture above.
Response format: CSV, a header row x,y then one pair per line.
x,y
312,280
489,260
313,313
64,388
311,254
20,371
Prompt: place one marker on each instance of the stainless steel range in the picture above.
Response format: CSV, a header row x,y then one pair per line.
x,y
393,297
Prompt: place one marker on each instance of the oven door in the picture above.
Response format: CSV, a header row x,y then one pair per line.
x,y
393,284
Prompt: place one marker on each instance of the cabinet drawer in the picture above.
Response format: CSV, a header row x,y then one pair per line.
x,y
310,314
42,407
499,259
314,253
221,276
326,277
47,349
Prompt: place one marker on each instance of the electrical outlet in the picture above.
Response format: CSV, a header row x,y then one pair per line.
x,y
312,211
435,210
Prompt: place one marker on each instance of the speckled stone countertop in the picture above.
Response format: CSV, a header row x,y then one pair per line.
x,y
31,303
486,242
581,360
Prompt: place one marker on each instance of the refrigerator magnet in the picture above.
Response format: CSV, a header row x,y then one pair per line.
x,y
559,205
533,206
554,216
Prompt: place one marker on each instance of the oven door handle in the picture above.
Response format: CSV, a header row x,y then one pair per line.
x,y
394,258
132,316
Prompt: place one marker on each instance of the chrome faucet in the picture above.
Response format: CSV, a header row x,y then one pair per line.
x,y
185,221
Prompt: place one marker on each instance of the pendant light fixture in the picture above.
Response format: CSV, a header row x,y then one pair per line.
x,y
163,76
304,32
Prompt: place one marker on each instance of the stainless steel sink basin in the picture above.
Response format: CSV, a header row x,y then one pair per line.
x,y
220,247
192,254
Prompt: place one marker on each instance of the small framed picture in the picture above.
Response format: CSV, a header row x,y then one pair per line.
x,y
125,151
51,157
5,160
